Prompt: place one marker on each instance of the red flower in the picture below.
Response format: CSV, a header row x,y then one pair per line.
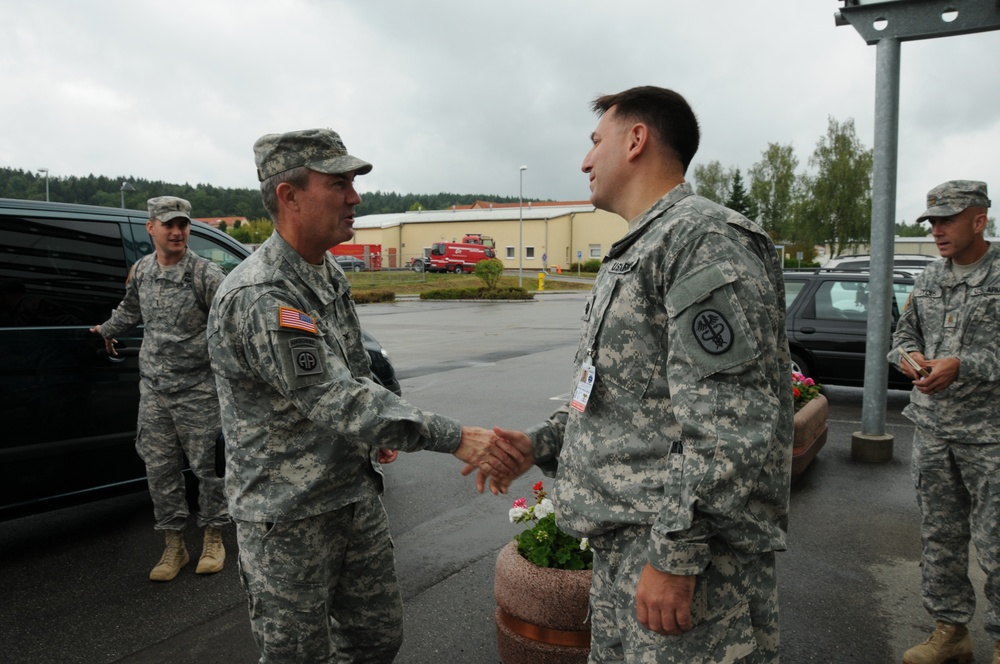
x,y
538,487
795,391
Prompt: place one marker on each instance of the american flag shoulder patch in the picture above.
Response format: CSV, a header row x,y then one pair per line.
x,y
296,320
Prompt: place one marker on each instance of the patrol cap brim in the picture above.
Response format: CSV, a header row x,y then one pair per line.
x,y
338,165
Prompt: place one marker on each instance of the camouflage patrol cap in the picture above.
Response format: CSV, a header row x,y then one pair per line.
x,y
166,208
320,150
954,196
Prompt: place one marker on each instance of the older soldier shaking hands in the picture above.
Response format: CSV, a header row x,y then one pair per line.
x,y
306,426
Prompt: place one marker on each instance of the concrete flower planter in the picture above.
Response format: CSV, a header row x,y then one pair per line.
x,y
541,614
810,433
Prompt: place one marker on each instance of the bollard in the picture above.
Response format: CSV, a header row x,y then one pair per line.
x,y
541,282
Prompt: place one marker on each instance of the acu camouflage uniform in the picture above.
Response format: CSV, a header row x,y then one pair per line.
x,y
682,457
303,422
956,456
178,407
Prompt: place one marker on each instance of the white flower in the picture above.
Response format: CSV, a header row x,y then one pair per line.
x,y
517,514
584,544
544,508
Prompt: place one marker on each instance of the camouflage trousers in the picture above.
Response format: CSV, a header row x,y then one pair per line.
x,y
959,498
323,589
735,607
173,426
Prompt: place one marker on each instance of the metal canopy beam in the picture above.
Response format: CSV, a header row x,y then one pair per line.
x,y
910,20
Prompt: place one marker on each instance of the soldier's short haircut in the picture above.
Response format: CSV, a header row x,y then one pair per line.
x,y
297,177
668,115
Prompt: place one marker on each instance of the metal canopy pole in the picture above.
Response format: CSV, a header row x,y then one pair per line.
x,y
887,23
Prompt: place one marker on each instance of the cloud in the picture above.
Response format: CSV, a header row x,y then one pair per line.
x,y
450,95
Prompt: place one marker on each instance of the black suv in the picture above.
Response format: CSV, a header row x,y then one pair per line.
x,y
68,409
827,322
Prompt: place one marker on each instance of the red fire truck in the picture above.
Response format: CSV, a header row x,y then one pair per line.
x,y
371,254
457,257
479,238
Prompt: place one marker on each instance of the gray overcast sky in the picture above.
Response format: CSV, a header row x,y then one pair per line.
x,y
455,95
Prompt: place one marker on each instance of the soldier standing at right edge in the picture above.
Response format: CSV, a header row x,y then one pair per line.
x,y
676,458
951,327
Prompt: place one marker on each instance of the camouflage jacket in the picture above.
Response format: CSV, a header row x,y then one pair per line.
x,y
689,424
173,307
951,317
301,415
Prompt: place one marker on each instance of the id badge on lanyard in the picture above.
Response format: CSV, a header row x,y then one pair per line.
x,y
584,384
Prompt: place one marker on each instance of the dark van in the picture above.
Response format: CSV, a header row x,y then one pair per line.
x,y
68,409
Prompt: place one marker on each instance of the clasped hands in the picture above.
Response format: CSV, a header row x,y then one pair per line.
x,y
499,456
943,372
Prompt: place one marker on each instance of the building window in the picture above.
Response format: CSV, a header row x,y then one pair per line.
x,y
529,253
595,251
511,255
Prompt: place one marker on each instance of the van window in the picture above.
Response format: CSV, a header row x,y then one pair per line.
x,y
792,290
58,273
208,248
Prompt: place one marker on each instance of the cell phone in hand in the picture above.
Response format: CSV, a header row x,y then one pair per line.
x,y
913,363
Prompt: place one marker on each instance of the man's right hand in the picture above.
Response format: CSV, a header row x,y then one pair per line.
x,y
109,344
478,450
505,445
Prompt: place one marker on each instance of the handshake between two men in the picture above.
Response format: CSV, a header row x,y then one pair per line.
x,y
500,456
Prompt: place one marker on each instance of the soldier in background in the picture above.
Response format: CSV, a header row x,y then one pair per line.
x,y
169,292
674,455
306,427
950,328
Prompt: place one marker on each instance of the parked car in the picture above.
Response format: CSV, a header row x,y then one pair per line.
x,y
69,409
350,263
827,323
911,264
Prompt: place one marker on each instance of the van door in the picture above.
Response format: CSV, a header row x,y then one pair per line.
x,y
68,409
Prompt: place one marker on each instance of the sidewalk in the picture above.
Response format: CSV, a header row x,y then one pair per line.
x,y
849,583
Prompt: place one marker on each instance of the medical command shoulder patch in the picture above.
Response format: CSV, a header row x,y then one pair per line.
x,y
296,320
713,332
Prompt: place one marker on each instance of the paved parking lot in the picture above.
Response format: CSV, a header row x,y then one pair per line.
x,y
74,588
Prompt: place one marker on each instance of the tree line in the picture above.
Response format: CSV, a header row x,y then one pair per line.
x,y
206,200
829,205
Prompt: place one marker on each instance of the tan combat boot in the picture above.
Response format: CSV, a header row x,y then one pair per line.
x,y
948,643
213,554
174,557
996,653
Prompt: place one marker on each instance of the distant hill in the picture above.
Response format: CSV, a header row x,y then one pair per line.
x,y
206,200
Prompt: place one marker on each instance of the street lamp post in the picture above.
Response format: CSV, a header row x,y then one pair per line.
x,y
46,171
520,228
126,186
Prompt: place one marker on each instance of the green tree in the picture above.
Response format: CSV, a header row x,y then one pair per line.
x,y
773,189
837,209
713,181
240,234
915,229
223,226
489,272
259,229
739,199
